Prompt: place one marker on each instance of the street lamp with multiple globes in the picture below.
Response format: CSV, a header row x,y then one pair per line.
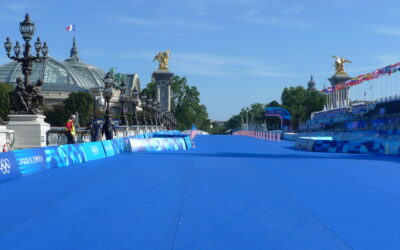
x,y
144,106
108,91
27,29
150,111
135,102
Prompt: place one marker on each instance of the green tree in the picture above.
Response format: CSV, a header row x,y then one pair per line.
x,y
81,102
56,115
234,122
185,104
301,103
5,90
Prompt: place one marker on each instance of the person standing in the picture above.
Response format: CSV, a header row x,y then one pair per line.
x,y
70,130
108,129
94,130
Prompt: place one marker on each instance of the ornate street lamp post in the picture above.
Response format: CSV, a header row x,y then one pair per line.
x,y
156,107
135,101
122,100
144,105
27,29
26,98
150,111
108,92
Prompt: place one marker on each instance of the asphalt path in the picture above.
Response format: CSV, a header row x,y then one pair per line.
x,y
230,192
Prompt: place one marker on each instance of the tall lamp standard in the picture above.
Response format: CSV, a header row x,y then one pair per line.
x,y
150,111
27,29
135,102
156,112
108,92
122,100
144,106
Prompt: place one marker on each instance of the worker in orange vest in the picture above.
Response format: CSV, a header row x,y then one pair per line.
x,y
70,130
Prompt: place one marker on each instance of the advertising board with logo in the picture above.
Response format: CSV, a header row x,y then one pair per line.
x,y
93,150
109,148
30,160
64,155
119,145
157,144
8,167
188,142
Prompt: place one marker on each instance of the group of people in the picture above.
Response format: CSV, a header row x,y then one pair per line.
x,y
107,129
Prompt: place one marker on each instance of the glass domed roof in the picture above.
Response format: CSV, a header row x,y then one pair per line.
x,y
56,75
91,72
71,75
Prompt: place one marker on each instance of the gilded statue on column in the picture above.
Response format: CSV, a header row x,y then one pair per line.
x,y
339,64
162,58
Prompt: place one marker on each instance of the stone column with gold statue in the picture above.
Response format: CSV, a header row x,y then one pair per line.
x,y
163,79
339,98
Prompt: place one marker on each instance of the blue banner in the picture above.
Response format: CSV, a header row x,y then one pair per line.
x,y
157,144
93,150
30,160
8,167
64,155
113,147
188,142
278,111
119,145
108,148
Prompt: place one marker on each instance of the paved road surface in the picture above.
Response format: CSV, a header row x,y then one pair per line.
x,y
231,192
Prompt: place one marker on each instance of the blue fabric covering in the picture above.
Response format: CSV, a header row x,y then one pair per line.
x,y
230,192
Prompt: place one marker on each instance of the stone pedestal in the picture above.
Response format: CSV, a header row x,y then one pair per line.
x,y
339,98
30,130
163,80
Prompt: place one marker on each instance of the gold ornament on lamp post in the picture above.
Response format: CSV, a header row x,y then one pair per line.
x,y
339,65
162,58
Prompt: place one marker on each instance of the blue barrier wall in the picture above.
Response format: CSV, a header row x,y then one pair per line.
x,y
8,167
23,162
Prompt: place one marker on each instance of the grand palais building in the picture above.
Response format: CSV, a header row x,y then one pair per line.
x,y
62,78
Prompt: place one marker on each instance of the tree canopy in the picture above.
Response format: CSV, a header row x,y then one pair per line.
x,y
81,102
5,90
301,103
297,100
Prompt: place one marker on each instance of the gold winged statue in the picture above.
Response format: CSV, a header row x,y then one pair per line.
x,y
162,58
339,64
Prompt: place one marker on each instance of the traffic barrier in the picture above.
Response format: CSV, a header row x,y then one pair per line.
x,y
24,162
157,144
8,167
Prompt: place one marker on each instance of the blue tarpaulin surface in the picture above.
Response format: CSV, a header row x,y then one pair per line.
x,y
230,192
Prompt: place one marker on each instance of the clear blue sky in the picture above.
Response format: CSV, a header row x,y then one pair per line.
x,y
236,52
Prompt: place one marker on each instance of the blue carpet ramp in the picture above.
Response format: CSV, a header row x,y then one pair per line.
x,y
230,192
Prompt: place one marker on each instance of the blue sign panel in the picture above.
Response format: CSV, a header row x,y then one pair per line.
x,y
64,155
109,149
278,111
113,147
188,142
119,145
157,144
30,160
8,167
93,150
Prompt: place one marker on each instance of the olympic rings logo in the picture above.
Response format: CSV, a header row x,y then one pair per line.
x,y
5,166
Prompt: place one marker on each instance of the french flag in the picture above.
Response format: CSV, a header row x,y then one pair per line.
x,y
70,27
